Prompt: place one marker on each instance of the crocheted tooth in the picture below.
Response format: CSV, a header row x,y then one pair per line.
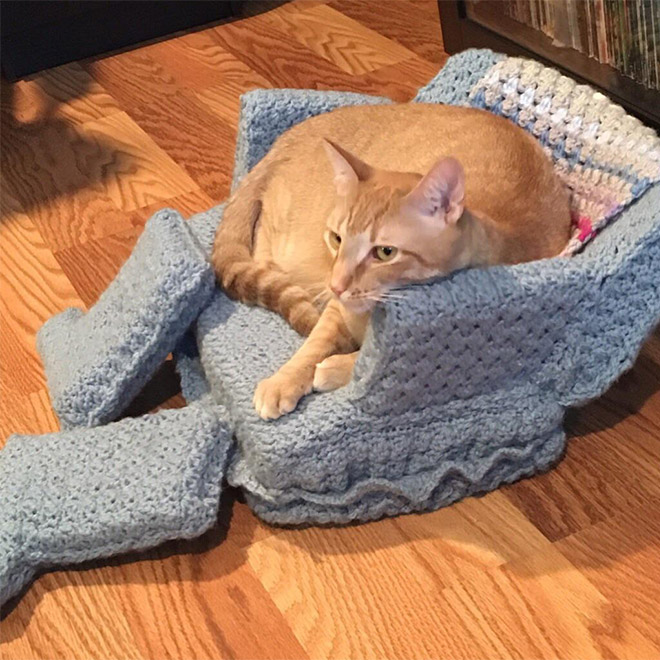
x,y
547,79
510,87
563,88
527,97
492,77
528,78
579,100
492,96
508,67
526,117
590,133
543,107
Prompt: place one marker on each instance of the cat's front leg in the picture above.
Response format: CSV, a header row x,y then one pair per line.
x,y
279,394
334,372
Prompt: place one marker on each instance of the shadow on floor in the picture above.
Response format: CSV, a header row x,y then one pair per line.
x,y
44,154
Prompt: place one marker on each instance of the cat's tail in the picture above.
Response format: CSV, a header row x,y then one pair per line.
x,y
244,279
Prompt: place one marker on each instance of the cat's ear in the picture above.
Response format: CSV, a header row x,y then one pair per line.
x,y
440,194
348,168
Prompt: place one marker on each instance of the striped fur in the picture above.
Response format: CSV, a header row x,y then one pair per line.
x,y
243,278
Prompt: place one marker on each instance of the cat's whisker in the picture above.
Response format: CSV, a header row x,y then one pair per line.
x,y
392,296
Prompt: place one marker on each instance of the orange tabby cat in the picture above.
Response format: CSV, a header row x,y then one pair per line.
x,y
350,204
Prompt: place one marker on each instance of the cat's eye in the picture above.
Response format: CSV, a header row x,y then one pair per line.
x,y
334,239
385,252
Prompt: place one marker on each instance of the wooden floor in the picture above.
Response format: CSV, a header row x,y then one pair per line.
x,y
565,565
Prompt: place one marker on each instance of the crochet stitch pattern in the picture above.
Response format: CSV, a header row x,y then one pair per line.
x,y
86,493
605,156
461,385
113,349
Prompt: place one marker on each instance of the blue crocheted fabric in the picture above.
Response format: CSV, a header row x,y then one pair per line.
x,y
96,362
88,493
460,386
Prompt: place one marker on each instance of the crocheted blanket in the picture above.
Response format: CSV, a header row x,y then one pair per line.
x,y
606,157
461,384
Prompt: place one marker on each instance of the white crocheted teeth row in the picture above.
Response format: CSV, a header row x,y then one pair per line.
x,y
613,137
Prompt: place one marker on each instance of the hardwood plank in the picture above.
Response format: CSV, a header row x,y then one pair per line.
x,y
331,586
187,204
612,463
621,558
21,372
133,78
244,527
91,267
472,535
69,615
197,152
549,608
26,414
270,52
196,61
66,92
200,604
401,81
223,99
141,172
338,39
413,23
56,173
33,289
213,600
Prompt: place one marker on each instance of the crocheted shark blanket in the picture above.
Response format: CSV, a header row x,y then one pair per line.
x,y
461,385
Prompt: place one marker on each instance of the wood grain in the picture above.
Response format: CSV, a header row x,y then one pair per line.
x,y
33,289
198,152
330,586
223,97
26,414
140,173
266,47
565,565
549,608
66,92
612,460
400,81
620,558
411,23
338,39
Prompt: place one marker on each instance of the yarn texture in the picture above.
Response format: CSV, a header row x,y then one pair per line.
x,y
96,362
87,493
606,157
461,385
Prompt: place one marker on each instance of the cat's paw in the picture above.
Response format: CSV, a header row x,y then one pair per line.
x,y
334,372
279,394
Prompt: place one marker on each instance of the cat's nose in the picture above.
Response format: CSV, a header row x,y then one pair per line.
x,y
337,290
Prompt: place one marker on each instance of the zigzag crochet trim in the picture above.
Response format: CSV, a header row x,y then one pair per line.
x,y
606,157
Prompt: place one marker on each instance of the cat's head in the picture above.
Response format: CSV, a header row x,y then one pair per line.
x,y
390,228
